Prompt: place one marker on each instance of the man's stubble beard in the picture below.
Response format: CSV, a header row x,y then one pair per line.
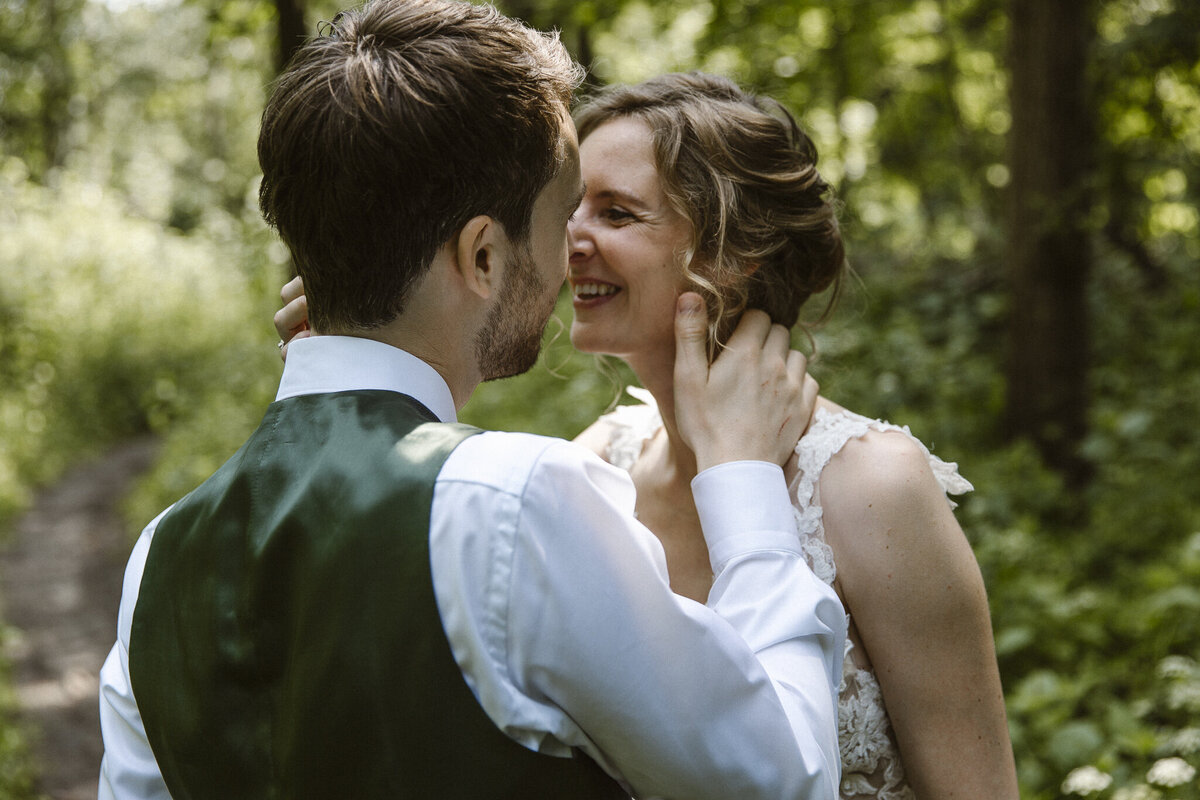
x,y
511,337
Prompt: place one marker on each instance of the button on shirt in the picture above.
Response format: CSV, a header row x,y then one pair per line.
x,y
557,607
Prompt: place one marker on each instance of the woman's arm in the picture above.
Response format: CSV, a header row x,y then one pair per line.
x,y
915,593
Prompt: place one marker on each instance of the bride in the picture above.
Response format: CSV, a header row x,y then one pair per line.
x,y
695,185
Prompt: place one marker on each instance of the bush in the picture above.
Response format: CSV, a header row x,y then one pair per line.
x,y
1097,619
112,326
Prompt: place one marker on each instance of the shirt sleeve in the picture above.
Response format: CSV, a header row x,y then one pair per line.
x,y
128,770
558,609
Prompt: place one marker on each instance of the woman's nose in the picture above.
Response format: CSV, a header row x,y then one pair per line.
x,y
579,240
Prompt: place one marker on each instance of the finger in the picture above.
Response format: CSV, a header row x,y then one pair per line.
x,y
811,391
292,289
751,331
691,341
797,363
809,388
292,318
778,342
284,349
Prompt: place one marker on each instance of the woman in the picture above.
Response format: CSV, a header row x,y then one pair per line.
x,y
695,185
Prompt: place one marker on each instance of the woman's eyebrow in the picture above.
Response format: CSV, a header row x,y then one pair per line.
x,y
622,195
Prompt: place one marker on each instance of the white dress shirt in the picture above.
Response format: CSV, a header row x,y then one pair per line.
x,y
557,607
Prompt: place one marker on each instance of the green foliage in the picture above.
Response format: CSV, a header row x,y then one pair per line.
x,y
1097,618
137,278
136,287
16,767
114,326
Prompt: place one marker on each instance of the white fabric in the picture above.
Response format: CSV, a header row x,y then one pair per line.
x,y
556,604
871,764
128,769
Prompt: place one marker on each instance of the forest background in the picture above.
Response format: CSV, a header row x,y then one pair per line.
x,y
1019,186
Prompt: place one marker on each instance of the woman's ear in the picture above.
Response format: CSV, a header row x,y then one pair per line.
x,y
480,252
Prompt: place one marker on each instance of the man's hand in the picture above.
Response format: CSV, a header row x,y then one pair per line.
x,y
753,402
291,321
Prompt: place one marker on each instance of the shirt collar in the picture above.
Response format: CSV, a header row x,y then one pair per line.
x,y
324,364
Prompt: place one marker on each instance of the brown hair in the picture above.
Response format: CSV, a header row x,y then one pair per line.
x,y
737,166
393,127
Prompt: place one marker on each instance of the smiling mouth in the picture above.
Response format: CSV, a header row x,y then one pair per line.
x,y
593,291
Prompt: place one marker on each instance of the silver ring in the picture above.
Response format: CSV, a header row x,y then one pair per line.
x,y
280,344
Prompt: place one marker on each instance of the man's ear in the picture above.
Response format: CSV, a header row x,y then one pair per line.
x,y
481,250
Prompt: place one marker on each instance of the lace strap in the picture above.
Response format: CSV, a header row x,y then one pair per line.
x,y
830,432
630,427
827,435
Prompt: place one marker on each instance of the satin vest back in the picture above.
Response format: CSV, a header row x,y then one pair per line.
x,y
286,641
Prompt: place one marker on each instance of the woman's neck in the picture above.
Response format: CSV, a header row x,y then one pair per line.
x,y
658,378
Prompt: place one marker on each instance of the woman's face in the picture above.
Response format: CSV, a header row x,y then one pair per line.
x,y
626,241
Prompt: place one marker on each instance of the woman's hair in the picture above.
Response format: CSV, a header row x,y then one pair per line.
x,y
737,166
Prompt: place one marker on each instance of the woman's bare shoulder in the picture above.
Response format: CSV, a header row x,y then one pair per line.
x,y
878,492
879,461
596,437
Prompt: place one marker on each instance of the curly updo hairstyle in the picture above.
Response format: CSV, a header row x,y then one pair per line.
x,y
737,166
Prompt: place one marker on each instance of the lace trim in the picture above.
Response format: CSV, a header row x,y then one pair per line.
x,y
825,438
632,426
871,765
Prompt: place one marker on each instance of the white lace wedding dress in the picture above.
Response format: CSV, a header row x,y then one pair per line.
x,y
871,766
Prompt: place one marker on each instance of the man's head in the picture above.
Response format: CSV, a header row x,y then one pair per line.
x,y
389,131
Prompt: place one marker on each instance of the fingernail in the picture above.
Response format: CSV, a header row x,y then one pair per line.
x,y
688,304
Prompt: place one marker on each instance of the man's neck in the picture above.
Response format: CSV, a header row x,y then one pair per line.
x,y
438,326
457,369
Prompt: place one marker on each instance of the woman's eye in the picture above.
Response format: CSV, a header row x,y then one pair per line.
x,y
618,215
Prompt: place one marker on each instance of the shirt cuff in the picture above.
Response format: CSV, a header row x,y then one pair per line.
x,y
744,507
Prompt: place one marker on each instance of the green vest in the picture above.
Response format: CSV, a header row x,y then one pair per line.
x,y
286,641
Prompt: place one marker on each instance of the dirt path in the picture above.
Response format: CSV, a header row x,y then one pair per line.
x,y
60,580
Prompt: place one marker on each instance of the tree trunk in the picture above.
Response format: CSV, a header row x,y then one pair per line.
x,y
53,117
1048,238
291,29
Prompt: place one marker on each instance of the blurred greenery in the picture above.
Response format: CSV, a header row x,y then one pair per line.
x,y
137,284
17,772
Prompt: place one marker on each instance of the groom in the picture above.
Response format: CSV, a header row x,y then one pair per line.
x,y
370,600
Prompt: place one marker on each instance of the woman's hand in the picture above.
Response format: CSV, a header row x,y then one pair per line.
x,y
291,321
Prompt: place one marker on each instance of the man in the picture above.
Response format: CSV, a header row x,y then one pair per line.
x,y
369,600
